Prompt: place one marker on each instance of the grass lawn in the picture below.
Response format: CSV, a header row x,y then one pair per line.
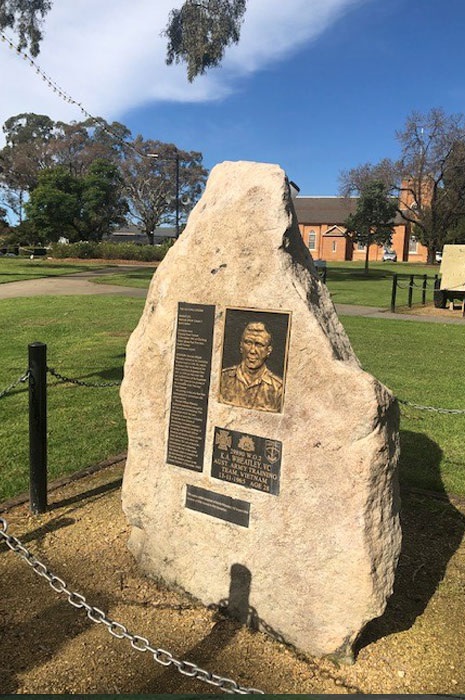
x,y
139,277
348,283
87,336
17,269
86,339
421,363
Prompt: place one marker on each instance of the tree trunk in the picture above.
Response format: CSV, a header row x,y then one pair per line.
x,y
367,253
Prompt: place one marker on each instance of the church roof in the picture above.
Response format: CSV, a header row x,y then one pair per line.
x,y
327,210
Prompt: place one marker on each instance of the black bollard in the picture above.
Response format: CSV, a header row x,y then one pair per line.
x,y
393,293
38,427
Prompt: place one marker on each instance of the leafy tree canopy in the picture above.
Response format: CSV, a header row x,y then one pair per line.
x,y
166,180
200,31
25,18
373,220
79,208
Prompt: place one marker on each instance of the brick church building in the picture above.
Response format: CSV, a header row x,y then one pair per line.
x,y
322,228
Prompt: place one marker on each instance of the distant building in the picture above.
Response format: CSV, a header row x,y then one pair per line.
x,y
321,223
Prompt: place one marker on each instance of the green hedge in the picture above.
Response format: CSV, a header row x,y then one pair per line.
x,y
110,251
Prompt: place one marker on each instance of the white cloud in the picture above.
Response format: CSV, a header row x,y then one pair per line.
x,y
109,55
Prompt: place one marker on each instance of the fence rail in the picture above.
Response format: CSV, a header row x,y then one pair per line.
x,y
409,283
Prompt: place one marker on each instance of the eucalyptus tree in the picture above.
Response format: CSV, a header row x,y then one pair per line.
x,y
198,33
161,183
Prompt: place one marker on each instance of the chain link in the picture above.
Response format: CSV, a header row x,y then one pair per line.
x,y
15,384
79,382
433,409
117,629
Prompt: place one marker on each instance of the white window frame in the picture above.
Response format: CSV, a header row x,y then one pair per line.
x,y
334,247
412,245
312,240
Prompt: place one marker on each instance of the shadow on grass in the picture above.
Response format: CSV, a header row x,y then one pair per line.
x,y
432,530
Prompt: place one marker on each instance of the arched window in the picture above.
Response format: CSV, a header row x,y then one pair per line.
x,y
312,240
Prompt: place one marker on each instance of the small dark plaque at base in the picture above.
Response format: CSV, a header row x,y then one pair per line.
x,y
218,505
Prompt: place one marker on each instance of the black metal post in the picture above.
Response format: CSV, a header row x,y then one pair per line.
x,y
394,293
38,427
423,293
410,291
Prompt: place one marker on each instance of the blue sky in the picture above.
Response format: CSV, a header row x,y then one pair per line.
x,y
317,86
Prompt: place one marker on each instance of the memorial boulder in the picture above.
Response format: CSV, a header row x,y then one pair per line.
x,y
262,460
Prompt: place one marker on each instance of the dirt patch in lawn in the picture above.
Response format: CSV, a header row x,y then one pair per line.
x,y
430,310
50,647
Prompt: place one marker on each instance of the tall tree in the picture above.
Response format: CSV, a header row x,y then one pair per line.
x,y
80,208
198,32
427,178
4,225
34,142
161,179
372,223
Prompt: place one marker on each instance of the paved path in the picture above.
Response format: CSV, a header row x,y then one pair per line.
x,y
82,283
77,283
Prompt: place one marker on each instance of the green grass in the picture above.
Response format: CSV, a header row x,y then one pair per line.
x,y
17,269
86,339
421,363
140,277
348,283
87,336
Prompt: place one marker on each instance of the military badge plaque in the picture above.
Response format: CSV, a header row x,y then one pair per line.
x,y
247,460
191,384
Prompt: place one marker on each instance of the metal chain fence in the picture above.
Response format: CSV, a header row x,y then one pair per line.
x,y
118,630
79,382
433,409
10,388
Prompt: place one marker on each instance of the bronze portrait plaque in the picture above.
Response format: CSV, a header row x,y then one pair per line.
x,y
218,505
247,460
253,368
191,385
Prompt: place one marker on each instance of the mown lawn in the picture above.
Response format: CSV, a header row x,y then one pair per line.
x,y
86,337
139,277
421,363
17,269
349,284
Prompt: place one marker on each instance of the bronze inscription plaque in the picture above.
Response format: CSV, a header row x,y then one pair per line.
x,y
248,460
218,505
191,384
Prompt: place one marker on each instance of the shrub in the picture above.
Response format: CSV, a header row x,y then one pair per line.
x,y
110,251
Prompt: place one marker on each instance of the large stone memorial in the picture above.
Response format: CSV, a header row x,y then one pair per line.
x,y
262,459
